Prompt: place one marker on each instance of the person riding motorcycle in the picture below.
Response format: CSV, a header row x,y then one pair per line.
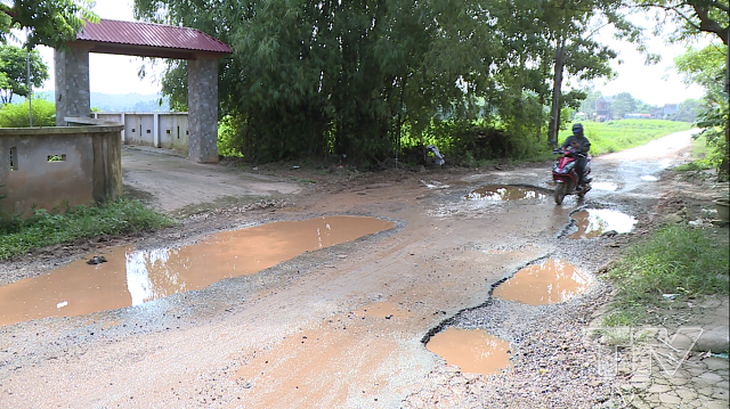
x,y
583,145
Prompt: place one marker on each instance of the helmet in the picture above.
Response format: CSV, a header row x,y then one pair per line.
x,y
577,129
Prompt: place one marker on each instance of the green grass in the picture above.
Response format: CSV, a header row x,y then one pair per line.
x,y
676,259
615,136
703,157
44,229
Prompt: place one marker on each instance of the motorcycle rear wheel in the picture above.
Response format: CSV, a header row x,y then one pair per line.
x,y
560,192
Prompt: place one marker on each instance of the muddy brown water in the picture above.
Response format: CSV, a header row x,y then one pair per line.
x,y
594,222
132,277
549,282
503,193
474,351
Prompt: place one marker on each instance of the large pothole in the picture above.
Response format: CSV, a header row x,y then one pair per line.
x,y
123,276
483,339
592,223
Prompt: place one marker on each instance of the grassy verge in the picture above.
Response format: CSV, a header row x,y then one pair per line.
x,y
44,229
677,260
704,156
615,136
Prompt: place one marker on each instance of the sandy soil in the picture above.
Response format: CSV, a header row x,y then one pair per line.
x,y
291,336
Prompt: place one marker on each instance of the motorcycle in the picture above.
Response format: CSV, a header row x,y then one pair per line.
x,y
566,177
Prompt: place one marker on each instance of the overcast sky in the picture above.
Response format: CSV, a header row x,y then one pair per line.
x,y
656,85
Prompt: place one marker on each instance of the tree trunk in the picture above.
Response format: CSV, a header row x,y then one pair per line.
x,y
725,165
554,125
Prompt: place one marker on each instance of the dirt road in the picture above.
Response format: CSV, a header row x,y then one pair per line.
x,y
298,334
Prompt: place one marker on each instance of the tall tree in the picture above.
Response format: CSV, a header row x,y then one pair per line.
x,y
560,37
346,77
697,17
693,16
313,77
49,22
623,104
13,65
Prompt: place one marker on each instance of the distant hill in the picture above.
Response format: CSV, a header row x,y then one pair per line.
x,y
116,102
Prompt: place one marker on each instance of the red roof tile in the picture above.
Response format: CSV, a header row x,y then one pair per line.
x,y
149,40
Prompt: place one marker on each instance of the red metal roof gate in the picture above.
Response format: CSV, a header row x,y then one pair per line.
x,y
147,40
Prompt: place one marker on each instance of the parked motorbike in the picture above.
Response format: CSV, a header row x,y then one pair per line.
x,y
565,175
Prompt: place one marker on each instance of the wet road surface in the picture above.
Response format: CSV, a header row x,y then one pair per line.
x,y
337,327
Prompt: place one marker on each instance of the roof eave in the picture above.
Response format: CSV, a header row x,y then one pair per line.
x,y
146,51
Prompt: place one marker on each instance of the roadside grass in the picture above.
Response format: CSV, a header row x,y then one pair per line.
x,y
44,229
704,157
678,260
615,136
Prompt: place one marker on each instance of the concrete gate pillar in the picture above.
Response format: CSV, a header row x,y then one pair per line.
x,y
72,84
203,110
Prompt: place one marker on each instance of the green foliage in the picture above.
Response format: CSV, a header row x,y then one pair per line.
x,y
312,78
17,115
623,104
615,136
694,17
14,71
51,23
676,260
703,157
45,229
687,111
226,139
705,67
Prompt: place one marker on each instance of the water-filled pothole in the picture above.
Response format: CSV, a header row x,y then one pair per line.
x,y
132,277
474,351
594,222
609,186
549,282
503,193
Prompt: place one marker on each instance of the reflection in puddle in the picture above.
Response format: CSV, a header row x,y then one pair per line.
x,y
594,222
502,192
649,178
133,277
610,186
384,309
474,351
549,282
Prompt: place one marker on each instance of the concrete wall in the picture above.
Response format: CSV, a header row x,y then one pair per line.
x,y
168,130
139,130
174,131
50,168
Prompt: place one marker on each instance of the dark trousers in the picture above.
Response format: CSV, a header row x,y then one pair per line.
x,y
580,167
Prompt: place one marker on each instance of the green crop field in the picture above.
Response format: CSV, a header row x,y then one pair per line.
x,y
614,136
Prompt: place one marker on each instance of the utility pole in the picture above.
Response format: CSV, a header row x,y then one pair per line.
x,y
30,87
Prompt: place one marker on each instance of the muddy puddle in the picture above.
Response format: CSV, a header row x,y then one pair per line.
x,y
132,277
608,186
503,193
549,282
592,223
473,351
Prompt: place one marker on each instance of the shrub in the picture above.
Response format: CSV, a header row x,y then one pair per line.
x,y
16,115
